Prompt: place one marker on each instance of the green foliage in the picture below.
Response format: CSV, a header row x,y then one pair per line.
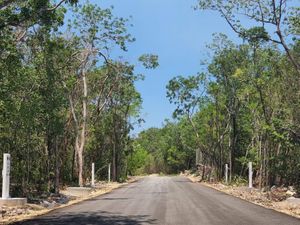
x,y
293,21
255,35
29,13
239,181
186,93
248,111
281,18
149,61
41,86
167,150
245,107
137,160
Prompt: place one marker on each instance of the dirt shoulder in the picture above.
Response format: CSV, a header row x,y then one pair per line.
x,y
278,198
14,214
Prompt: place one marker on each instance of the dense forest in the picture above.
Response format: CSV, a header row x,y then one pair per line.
x,y
64,103
243,108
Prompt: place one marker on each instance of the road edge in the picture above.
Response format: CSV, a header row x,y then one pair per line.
x,y
240,197
71,203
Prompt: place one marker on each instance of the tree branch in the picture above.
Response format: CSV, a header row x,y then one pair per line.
x,y
56,6
230,23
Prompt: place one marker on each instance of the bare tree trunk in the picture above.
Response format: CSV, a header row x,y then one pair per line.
x,y
82,136
80,167
261,164
114,166
278,19
57,167
74,164
232,150
230,154
80,129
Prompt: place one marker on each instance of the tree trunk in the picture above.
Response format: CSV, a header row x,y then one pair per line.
x,y
233,145
114,166
261,164
80,129
57,167
80,168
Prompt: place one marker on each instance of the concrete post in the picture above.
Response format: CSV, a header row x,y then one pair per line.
x,y
109,172
93,174
250,175
197,157
226,173
5,176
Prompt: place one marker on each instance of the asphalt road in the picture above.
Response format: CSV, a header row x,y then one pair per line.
x,y
165,200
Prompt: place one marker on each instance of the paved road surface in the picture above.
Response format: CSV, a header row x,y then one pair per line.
x,y
165,200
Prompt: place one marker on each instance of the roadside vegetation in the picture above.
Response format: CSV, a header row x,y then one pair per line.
x,y
64,103
244,107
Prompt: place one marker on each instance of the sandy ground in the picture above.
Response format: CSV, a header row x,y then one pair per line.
x,y
14,214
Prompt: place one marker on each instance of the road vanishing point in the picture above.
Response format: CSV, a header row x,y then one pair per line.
x,y
164,200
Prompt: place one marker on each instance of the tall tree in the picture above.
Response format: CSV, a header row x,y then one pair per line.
x,y
269,15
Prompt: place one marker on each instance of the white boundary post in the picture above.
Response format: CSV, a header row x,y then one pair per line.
x,y
226,173
93,174
109,172
5,176
250,175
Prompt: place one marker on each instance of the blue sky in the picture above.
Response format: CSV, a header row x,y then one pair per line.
x,y
174,31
